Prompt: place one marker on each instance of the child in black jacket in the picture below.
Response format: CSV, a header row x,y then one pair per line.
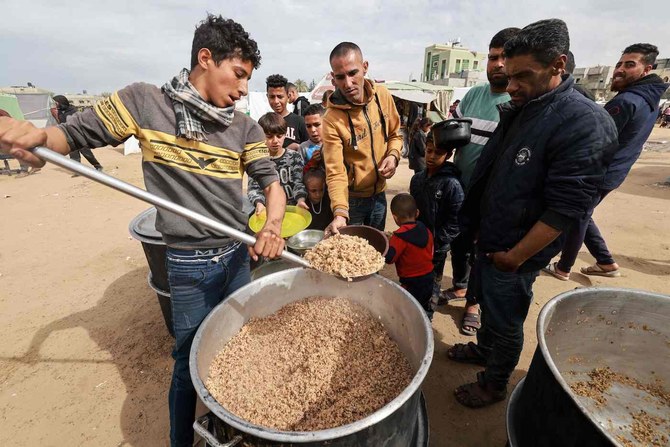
x,y
439,195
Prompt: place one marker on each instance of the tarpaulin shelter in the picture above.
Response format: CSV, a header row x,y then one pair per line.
x,y
10,105
35,103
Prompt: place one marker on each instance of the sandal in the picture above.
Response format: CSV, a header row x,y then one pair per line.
x,y
471,323
466,353
551,269
449,295
596,270
478,394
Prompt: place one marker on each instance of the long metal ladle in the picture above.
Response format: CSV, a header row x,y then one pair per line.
x,y
138,193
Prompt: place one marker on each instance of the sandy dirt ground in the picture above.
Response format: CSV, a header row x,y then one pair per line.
x,y
85,357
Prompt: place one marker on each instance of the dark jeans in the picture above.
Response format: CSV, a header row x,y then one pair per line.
x,y
368,211
439,260
421,288
199,280
585,231
505,299
88,154
461,250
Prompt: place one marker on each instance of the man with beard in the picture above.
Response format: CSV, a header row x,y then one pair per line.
x,y
277,92
634,110
361,142
479,105
537,176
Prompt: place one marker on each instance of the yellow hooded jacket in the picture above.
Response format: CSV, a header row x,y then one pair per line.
x,y
352,164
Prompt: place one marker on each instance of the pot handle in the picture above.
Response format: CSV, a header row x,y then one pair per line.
x,y
201,428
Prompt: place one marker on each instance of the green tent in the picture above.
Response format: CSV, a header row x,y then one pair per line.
x,y
10,104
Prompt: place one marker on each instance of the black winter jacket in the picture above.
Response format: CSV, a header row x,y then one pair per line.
x,y
300,105
439,199
634,111
544,162
417,152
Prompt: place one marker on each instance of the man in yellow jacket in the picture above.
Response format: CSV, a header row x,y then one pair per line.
x,y
361,142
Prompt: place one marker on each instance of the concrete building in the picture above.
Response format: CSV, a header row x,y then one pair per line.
x,y
663,69
82,100
440,61
597,80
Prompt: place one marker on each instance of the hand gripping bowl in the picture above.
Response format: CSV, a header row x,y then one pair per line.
x,y
393,425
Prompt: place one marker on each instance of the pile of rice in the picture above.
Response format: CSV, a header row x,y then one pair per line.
x,y
345,256
315,364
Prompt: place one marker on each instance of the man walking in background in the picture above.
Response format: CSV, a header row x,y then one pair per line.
x,y
634,110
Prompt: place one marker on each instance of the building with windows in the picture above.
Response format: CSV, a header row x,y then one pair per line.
x,y
597,80
441,61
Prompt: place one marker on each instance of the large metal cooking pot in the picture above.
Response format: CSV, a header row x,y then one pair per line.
x,y
406,322
578,331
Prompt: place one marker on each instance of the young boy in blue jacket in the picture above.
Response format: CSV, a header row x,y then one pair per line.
x,y
439,195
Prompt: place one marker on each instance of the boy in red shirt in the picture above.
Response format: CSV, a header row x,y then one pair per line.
x,y
411,250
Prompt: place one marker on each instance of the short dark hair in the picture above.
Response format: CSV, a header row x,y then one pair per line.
x,y
403,205
570,64
273,124
344,48
314,109
291,86
225,38
276,81
61,100
314,173
544,40
648,51
502,36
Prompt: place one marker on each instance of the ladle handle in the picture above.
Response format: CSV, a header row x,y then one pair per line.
x,y
159,202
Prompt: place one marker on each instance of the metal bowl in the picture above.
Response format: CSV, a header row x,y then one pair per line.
x,y
375,237
579,331
393,425
304,241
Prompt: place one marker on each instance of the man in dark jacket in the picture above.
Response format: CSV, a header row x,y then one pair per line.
x,y
66,109
634,110
537,175
300,103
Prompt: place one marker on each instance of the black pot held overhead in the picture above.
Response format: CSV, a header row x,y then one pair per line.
x,y
452,133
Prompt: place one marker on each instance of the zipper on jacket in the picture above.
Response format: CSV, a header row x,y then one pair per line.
x,y
372,147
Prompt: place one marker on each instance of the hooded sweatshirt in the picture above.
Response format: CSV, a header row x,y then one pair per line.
x,y
411,250
356,138
634,111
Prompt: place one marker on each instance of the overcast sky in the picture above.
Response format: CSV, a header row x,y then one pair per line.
x,y
67,46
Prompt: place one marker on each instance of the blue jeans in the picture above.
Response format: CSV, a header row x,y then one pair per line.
x,y
199,281
505,298
368,211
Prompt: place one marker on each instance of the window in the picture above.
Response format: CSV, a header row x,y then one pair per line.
x,y
466,64
475,65
458,66
443,69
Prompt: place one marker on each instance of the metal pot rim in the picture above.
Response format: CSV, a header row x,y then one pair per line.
x,y
542,322
320,435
